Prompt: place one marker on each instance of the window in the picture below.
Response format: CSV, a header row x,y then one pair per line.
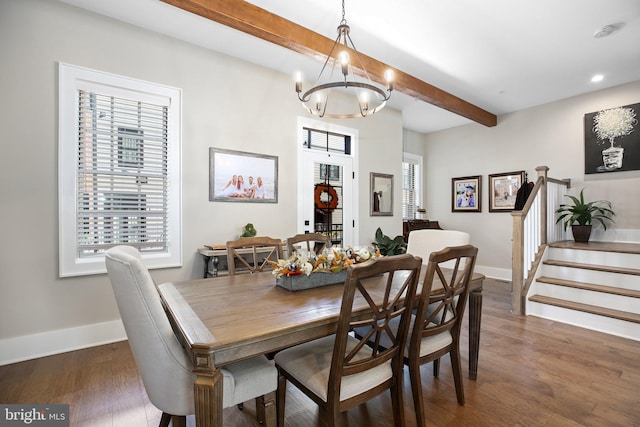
x,y
322,140
119,170
411,178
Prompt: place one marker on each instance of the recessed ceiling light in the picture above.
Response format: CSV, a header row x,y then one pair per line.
x,y
597,78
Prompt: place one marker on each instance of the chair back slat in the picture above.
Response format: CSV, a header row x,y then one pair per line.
x,y
386,287
442,309
311,242
257,247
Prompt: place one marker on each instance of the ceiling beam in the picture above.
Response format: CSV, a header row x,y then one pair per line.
x,y
248,18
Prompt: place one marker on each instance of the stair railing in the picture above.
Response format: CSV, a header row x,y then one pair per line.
x,y
533,228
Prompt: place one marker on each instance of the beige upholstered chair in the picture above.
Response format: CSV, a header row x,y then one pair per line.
x,y
340,371
422,242
251,254
165,367
310,242
441,312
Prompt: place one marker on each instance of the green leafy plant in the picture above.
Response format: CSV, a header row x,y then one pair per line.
x,y
388,246
580,212
248,231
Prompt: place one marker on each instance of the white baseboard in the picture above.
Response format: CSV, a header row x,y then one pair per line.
x,y
28,347
494,273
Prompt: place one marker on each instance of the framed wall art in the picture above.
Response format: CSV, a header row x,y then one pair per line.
x,y
503,188
381,190
612,140
236,176
466,194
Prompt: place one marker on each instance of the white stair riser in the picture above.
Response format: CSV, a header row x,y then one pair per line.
x,y
595,257
585,320
600,299
626,281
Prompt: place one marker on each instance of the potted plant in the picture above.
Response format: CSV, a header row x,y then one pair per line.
x,y
388,246
580,215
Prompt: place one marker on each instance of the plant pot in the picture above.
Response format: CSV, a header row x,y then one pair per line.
x,y
581,233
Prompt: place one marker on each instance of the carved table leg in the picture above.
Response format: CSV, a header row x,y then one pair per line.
x,y
207,392
475,315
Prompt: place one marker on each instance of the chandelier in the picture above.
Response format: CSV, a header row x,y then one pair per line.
x,y
368,97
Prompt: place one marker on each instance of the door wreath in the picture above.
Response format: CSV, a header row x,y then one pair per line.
x,y
329,205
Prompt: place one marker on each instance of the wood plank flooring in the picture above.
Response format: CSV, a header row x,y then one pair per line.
x,y
532,372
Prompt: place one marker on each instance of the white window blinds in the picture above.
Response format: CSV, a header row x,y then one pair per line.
x,y
122,174
119,170
408,190
411,178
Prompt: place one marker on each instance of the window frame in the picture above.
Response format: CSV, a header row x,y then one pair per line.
x,y
415,159
71,78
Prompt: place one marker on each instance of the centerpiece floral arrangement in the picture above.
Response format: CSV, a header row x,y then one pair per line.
x,y
331,260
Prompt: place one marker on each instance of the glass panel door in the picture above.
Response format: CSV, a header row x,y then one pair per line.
x,y
327,196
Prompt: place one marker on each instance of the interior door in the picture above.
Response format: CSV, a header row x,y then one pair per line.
x,y
327,196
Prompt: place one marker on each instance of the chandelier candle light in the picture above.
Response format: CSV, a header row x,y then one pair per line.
x,y
370,98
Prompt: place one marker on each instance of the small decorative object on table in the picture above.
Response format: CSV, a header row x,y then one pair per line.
x,y
248,230
306,271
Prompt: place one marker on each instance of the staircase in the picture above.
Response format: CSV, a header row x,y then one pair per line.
x,y
594,285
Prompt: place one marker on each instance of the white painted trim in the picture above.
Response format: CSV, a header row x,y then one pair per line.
x,y
71,78
26,347
494,273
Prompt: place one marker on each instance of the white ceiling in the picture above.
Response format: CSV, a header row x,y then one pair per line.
x,y
501,55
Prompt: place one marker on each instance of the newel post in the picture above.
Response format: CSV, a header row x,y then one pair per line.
x,y
517,262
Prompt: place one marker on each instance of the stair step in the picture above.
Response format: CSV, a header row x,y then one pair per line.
x,y
607,312
591,287
606,268
619,247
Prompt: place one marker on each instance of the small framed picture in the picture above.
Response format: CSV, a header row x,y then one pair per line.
x,y
466,194
503,188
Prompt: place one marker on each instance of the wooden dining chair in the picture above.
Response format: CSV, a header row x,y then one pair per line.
x,y
441,309
165,367
251,254
341,371
440,312
311,242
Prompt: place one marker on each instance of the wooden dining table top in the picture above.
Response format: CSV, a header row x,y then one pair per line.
x,y
236,317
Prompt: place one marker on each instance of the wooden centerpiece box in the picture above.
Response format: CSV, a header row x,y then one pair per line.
x,y
300,282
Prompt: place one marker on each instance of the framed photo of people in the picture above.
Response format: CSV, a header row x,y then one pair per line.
x,y
237,176
466,194
503,188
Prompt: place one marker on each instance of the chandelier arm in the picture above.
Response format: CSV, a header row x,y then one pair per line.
x,y
326,61
362,67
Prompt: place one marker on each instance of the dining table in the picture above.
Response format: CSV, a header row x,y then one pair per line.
x,y
231,318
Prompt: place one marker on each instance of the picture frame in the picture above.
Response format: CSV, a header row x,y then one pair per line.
x,y
612,140
466,194
503,189
238,176
381,194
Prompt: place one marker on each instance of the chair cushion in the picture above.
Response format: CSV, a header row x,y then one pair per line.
x,y
247,379
310,363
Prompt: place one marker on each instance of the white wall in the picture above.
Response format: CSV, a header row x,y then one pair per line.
x,y
227,103
551,135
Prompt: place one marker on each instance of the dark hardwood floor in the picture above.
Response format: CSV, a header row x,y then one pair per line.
x,y
532,372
